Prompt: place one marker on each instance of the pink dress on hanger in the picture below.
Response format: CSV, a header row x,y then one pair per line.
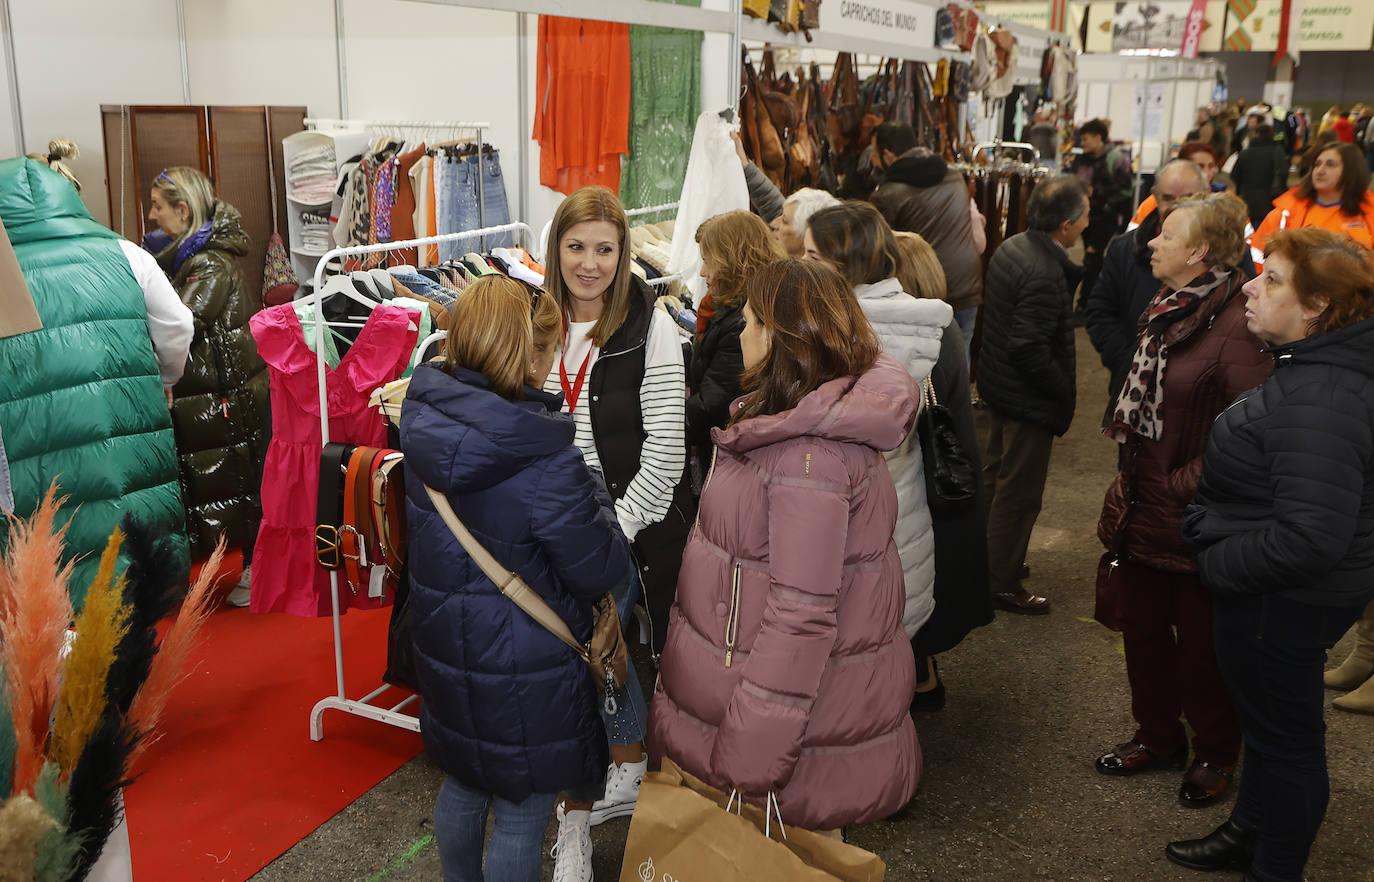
x,y
285,575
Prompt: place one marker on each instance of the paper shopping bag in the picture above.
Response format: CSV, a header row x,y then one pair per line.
x,y
681,832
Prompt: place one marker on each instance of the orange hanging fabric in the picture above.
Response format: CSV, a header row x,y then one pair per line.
x,y
582,94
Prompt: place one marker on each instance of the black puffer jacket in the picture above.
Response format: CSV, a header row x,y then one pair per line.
x,y
618,430
1026,365
1123,289
922,194
1286,501
221,401
713,378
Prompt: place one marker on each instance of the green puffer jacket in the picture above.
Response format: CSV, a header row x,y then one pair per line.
x,y
221,401
82,399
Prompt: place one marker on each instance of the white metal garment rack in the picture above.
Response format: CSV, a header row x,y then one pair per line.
x,y
362,707
655,209
419,128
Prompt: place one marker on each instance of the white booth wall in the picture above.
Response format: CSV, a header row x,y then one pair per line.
x,y
1150,102
403,59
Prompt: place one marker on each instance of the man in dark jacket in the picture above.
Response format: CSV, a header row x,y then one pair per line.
x,y
1126,284
1107,172
1260,174
921,194
1026,375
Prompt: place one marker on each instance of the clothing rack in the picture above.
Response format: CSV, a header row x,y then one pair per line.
x,y
652,209
420,128
996,147
362,707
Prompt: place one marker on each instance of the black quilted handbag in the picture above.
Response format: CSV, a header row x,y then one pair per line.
x,y
951,481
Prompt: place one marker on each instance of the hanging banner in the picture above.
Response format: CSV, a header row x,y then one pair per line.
x,y
1254,25
1324,24
895,21
1192,28
1162,24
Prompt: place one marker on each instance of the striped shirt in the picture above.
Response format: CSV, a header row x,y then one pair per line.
x,y
662,405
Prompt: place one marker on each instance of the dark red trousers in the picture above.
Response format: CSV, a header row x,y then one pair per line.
x,y
1172,665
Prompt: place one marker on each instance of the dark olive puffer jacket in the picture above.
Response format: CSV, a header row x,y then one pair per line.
x,y
220,404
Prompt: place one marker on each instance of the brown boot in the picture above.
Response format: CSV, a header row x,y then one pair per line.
x,y
1361,701
1359,665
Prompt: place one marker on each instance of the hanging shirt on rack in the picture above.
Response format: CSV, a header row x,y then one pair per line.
x,y
286,576
582,95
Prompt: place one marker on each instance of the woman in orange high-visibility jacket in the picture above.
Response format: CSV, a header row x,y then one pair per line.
x,y
1334,196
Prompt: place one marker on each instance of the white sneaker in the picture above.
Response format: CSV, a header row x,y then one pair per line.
x,y
622,791
240,595
572,852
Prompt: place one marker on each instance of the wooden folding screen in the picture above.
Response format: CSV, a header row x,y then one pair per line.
x,y
234,146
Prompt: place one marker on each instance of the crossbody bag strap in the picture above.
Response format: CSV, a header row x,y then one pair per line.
x,y
508,583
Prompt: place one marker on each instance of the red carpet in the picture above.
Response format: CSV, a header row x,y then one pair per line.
x,y
236,780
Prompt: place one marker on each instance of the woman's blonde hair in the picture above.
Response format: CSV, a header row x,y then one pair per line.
x,y
592,204
738,242
919,269
182,184
490,332
60,150
1216,220
547,322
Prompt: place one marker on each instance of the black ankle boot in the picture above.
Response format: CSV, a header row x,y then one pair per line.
x,y
1228,847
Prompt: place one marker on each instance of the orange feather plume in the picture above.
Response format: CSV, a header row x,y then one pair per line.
x,y
167,670
35,610
100,626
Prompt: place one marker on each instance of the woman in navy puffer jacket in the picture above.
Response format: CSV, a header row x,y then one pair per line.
x,y
509,710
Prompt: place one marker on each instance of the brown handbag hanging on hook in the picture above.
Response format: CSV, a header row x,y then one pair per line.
x,y
771,155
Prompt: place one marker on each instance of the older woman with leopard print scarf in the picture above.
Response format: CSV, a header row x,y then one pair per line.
x,y
1193,357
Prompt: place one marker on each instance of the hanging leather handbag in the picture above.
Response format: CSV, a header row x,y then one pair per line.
x,y
1107,598
605,653
951,480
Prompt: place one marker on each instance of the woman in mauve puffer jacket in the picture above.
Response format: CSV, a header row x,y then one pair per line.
x,y
786,668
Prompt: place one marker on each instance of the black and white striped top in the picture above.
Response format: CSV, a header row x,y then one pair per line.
x,y
662,404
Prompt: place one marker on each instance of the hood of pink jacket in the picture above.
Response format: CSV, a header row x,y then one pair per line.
x,y
875,409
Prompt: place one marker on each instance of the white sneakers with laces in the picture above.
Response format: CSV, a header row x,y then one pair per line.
x,y
240,596
572,852
622,791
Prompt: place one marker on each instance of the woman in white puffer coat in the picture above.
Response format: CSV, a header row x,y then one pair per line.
x,y
855,240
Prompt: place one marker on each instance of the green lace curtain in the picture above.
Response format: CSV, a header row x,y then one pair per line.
x,y
665,100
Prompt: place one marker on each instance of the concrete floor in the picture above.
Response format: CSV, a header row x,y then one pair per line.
x,y
1009,791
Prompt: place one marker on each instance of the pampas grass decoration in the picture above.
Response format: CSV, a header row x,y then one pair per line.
x,y
100,626
35,610
95,784
59,849
167,668
151,591
23,824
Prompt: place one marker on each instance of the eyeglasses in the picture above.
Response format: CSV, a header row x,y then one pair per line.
x,y
534,290
162,176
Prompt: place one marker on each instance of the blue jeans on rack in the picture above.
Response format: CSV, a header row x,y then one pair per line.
x,y
627,724
492,197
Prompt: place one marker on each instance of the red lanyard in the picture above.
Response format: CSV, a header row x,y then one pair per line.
x,y
573,394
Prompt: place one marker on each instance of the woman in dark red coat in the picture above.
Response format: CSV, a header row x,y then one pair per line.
x,y
1193,357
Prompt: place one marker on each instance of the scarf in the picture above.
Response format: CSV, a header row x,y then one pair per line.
x,y
706,310
1171,318
158,242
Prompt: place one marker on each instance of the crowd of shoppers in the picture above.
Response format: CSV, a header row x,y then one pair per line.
x,y
763,491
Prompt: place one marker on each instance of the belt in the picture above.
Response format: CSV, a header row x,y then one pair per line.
x,y
329,507
389,513
356,528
